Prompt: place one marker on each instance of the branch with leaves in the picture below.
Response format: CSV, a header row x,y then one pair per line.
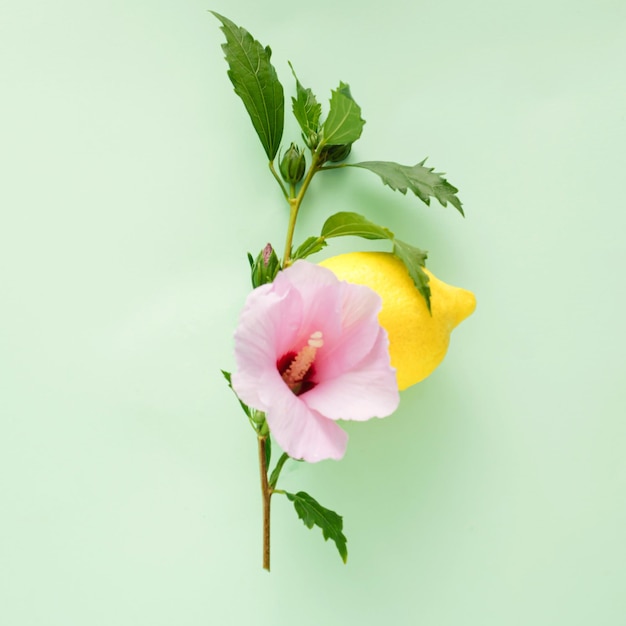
x,y
326,144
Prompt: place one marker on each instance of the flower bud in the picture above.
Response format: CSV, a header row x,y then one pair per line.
x,y
335,153
265,267
312,140
292,165
267,254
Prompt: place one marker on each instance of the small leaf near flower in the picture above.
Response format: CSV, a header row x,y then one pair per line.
x,y
345,223
309,246
268,450
245,407
256,418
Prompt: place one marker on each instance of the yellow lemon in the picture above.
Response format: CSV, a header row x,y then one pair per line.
x,y
418,341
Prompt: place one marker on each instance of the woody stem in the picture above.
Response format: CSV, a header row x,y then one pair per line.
x,y
266,492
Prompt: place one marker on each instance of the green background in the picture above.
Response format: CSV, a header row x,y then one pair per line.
x,y
132,187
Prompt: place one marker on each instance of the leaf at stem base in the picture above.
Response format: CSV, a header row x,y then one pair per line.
x,y
312,513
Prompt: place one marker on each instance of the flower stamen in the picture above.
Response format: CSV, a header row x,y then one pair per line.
x,y
295,374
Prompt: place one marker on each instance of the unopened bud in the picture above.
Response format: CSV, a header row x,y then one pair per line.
x,y
335,153
292,165
265,267
267,253
312,140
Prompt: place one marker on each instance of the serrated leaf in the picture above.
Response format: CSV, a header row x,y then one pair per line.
x,y
309,246
306,109
424,182
312,513
344,88
414,260
344,123
256,83
345,223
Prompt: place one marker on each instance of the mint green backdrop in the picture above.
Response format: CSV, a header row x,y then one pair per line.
x,y
132,186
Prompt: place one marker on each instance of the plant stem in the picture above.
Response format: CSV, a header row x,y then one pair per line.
x,y
267,488
294,204
334,167
266,493
293,214
278,180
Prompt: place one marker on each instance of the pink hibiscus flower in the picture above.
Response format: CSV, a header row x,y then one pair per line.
x,y
309,351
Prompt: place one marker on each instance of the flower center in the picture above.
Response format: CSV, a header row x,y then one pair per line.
x,y
297,369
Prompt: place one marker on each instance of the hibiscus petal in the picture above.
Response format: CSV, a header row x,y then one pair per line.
x,y
267,325
270,319
359,320
320,289
256,389
368,390
303,433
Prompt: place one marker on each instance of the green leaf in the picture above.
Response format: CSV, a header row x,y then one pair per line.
x,y
251,413
307,111
256,83
414,259
245,407
344,89
344,123
276,471
312,513
268,450
309,246
422,181
345,223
